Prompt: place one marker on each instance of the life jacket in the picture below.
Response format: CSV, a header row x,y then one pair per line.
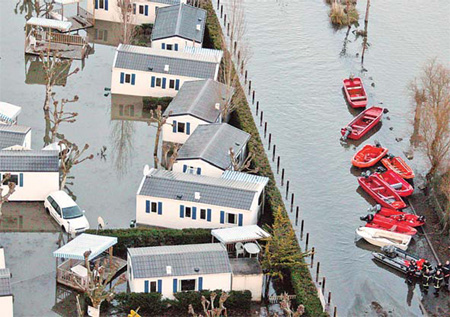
x,y
438,281
426,279
426,266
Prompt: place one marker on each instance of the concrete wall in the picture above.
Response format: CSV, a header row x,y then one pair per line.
x,y
253,283
170,217
182,43
176,137
36,186
206,168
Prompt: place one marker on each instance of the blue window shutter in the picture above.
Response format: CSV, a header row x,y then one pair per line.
x,y
194,213
176,47
177,84
222,216
174,126
153,81
122,78
181,211
163,46
146,288
184,168
164,83
134,8
106,5
208,215
96,4
159,286
200,283
133,79
240,220
147,206
199,171
175,285
160,208
146,10
21,180
188,128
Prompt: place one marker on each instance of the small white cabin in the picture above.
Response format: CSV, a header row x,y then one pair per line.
x,y
198,102
171,269
9,113
6,295
142,11
35,172
207,151
146,71
11,135
179,26
178,200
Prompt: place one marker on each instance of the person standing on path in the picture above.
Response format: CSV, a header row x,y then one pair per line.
x,y
426,278
427,266
438,278
446,271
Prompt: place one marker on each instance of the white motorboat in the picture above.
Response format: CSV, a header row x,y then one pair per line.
x,y
383,237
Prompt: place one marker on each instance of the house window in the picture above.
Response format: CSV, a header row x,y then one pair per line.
x,y
171,84
101,35
187,285
13,179
158,82
169,47
153,287
154,207
188,212
203,214
141,9
231,219
181,127
191,170
127,78
129,110
101,4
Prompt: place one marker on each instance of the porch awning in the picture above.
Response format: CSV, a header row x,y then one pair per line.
x,y
9,112
85,242
239,234
62,26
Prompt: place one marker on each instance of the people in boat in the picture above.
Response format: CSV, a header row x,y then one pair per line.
x,y
446,271
426,278
437,281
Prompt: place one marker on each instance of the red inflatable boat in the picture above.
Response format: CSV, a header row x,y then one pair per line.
x,y
410,219
355,92
402,187
380,222
398,165
362,124
369,155
379,190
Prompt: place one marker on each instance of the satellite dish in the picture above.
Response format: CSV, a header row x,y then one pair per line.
x,y
146,170
100,223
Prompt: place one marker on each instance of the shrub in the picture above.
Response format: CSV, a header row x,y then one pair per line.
x,y
338,14
149,303
150,103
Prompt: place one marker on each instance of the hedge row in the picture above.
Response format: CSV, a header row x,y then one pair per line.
x,y
152,304
147,237
151,103
242,118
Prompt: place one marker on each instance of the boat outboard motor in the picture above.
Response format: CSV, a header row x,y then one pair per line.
x,y
385,110
367,218
389,250
347,133
375,208
365,174
391,156
381,169
377,143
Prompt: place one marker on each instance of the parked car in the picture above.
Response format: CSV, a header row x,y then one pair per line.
x,y
66,212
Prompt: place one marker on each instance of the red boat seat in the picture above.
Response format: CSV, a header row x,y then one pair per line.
x,y
357,126
357,97
355,87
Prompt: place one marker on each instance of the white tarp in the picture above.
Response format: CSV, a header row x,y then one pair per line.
x,y
239,234
76,248
9,112
62,26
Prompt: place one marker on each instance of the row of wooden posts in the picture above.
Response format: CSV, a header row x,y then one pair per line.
x,y
260,113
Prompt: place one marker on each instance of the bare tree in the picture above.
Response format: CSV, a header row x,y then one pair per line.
x,y
444,191
58,115
365,45
11,189
286,304
433,115
126,17
71,155
122,139
40,7
98,279
157,119
208,306
172,149
242,165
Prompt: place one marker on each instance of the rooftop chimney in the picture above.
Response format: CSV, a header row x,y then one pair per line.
x,y
199,27
169,270
197,196
166,68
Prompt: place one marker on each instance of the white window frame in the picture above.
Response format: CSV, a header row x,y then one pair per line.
x,y
188,279
143,9
185,212
227,214
125,78
184,127
101,4
200,214
191,170
171,47
171,83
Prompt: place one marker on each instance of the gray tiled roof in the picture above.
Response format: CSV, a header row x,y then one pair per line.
x,y
5,282
29,161
199,99
180,20
12,135
213,191
212,143
208,258
198,64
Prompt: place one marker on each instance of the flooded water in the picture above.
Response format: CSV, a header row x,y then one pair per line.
x,y
297,69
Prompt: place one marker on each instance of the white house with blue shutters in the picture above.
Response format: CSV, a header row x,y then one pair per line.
x,y
179,200
153,72
179,26
171,269
197,103
207,151
35,173
143,11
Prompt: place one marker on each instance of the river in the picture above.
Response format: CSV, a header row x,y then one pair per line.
x,y
296,69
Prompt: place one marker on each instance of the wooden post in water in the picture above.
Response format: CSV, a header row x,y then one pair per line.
x,y
246,74
292,202
253,97
249,87
270,141
228,28
257,108
278,164
282,176
225,19
261,118
287,189
312,257
323,285
301,228
218,4
221,11
242,65
317,272
265,128
335,312
273,154
296,216
307,241
329,298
